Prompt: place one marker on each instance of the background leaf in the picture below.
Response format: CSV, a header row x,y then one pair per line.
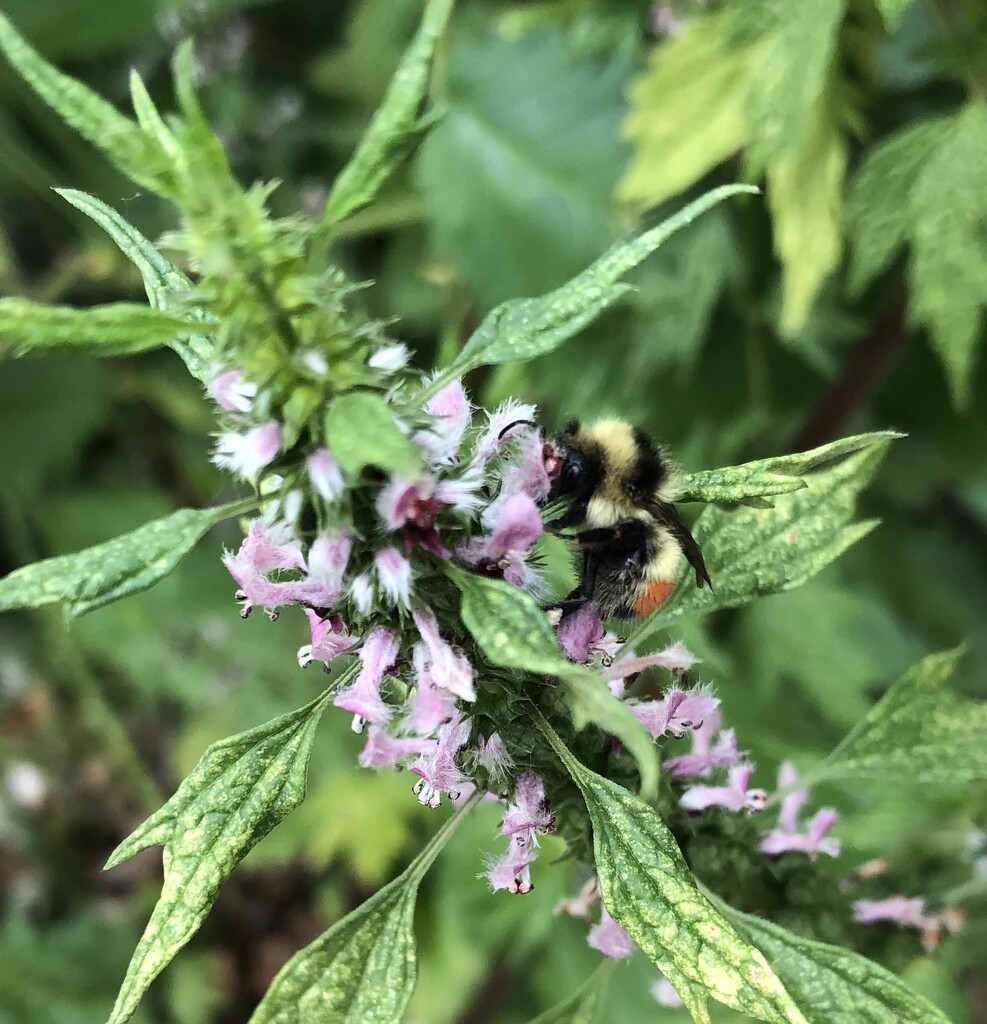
x,y
241,788
115,569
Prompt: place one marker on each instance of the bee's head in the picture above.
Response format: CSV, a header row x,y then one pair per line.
x,y
572,464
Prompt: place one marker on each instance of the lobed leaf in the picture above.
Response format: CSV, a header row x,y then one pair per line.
x,y
764,478
649,891
691,102
512,631
523,329
805,195
363,969
361,431
120,139
115,569
166,286
387,141
753,552
241,788
919,730
833,985
119,328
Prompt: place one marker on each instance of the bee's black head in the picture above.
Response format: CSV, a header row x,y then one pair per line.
x,y
574,465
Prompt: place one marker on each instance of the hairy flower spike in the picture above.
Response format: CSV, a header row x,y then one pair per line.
x,y
329,640
247,454
438,770
449,668
363,699
787,837
325,474
736,796
394,575
232,392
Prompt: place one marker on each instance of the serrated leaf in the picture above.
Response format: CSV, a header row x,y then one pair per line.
x,y
690,102
240,789
119,328
892,12
764,478
119,138
948,205
391,132
582,1007
878,204
361,431
363,969
833,985
649,891
805,194
919,730
792,70
513,632
165,284
108,572
753,552
523,329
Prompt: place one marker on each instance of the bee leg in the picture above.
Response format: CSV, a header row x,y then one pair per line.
x,y
627,535
587,584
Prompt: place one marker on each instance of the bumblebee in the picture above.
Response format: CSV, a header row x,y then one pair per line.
x,y
620,487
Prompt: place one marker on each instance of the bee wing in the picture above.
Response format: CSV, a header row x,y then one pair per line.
x,y
667,515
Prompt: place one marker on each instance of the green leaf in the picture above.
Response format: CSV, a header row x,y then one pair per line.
x,y
582,1007
649,891
388,138
949,246
240,789
764,478
120,328
523,329
513,632
805,194
753,552
108,572
833,985
361,431
119,138
166,286
519,173
892,12
363,969
878,204
919,730
690,102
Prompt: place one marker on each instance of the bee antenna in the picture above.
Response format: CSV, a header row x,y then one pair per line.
x,y
516,423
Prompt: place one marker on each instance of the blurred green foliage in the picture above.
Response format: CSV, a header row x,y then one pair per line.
x,y
851,299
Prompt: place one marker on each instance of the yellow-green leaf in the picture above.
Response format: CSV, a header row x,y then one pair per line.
x,y
361,431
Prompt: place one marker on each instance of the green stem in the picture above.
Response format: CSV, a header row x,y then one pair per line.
x,y
426,858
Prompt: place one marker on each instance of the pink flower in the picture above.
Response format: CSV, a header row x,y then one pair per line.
x,y
675,658
528,815
513,871
450,409
706,755
325,474
266,548
677,712
430,705
490,440
329,640
394,574
579,631
786,837
609,938
412,505
527,475
492,755
362,592
327,560
232,392
449,667
734,797
517,529
664,994
247,454
580,904
438,771
363,699
903,910
383,751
